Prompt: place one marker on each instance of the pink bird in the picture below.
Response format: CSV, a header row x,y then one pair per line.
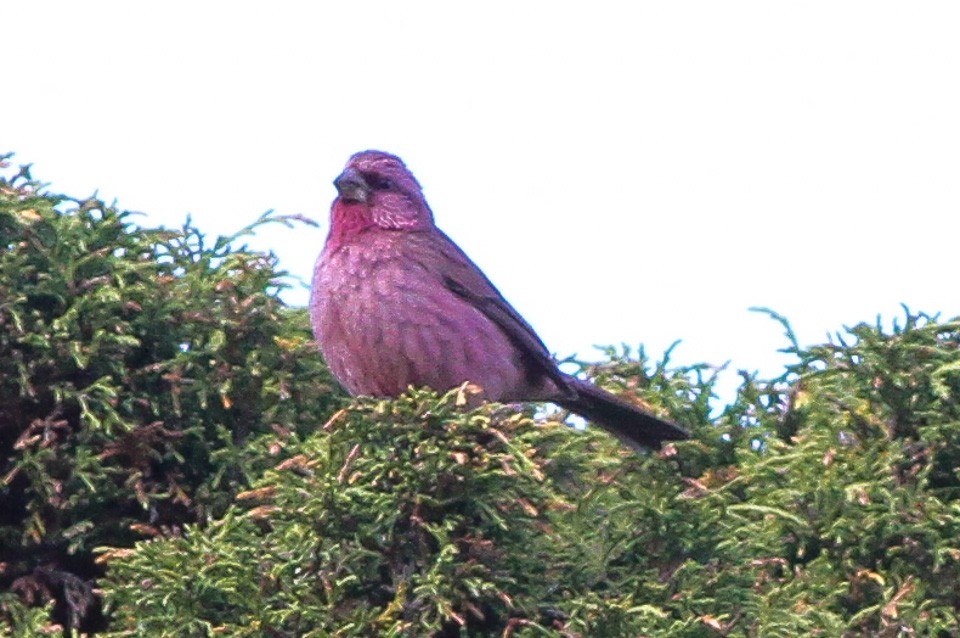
x,y
395,303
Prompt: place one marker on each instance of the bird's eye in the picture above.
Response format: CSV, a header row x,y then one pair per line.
x,y
380,183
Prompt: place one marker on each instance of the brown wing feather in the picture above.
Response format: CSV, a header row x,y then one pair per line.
x,y
462,277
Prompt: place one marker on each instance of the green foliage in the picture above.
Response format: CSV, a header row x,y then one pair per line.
x,y
139,368
848,526
169,438
438,520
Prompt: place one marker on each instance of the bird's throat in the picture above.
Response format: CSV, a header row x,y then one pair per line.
x,y
347,220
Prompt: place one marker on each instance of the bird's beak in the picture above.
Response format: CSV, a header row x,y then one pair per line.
x,y
351,186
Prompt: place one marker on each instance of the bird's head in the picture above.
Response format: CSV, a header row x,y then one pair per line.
x,y
376,190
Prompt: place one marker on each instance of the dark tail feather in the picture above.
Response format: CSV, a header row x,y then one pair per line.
x,y
631,424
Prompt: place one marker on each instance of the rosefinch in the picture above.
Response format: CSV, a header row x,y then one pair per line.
x,y
396,303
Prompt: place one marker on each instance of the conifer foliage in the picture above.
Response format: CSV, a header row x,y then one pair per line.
x,y
175,461
138,370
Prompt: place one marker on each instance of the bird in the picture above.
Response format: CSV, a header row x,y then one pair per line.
x,y
396,303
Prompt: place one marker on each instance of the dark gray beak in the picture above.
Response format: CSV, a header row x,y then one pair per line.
x,y
351,186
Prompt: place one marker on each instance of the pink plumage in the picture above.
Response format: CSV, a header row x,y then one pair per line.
x,y
396,303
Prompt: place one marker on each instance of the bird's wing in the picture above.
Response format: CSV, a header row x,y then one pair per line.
x,y
462,277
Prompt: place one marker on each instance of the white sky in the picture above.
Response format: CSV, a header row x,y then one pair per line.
x,y
624,172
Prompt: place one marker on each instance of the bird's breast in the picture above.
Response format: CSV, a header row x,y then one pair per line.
x,y
385,320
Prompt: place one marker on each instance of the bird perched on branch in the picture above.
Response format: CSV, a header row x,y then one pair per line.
x,y
396,303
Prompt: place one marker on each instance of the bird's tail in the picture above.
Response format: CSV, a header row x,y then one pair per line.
x,y
631,424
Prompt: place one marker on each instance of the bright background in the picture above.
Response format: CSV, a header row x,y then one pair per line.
x,y
624,172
